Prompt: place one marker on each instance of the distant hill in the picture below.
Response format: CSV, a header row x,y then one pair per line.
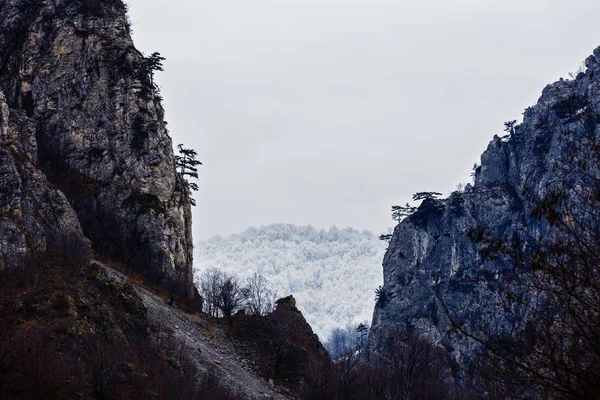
x,y
332,273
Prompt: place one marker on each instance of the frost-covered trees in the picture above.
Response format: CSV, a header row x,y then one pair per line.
x,y
331,273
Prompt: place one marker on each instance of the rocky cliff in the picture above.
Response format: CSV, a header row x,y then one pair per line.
x,y
83,142
434,253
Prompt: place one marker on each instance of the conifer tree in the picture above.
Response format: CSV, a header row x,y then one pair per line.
x,y
153,62
187,164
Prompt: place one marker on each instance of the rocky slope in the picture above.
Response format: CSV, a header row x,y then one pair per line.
x,y
83,143
89,332
201,343
434,254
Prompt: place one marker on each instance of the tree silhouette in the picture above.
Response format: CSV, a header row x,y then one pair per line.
x,y
187,163
152,63
401,212
386,237
381,296
232,296
426,195
363,331
509,126
259,296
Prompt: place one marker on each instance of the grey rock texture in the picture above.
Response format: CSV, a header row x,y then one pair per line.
x,y
87,126
431,254
32,213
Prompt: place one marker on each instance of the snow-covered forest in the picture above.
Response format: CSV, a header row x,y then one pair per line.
x,y
331,273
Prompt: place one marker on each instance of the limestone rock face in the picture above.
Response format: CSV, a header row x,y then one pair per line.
x,y
432,255
83,110
32,214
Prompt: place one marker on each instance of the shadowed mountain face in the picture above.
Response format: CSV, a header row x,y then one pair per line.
x,y
434,254
83,143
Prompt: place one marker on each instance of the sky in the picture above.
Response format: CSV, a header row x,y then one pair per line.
x,y
327,112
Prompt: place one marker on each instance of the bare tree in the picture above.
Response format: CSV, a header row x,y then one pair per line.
x,y
222,293
260,296
414,359
232,296
209,285
347,367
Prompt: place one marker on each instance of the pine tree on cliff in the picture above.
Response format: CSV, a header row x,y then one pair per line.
x,y
363,331
153,62
401,212
426,196
187,164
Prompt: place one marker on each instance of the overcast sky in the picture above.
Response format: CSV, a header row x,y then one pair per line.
x,y
327,112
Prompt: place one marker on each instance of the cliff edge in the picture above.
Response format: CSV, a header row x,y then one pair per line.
x,y
435,253
83,143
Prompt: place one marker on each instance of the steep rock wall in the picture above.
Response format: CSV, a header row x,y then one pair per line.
x,y
32,213
432,254
93,121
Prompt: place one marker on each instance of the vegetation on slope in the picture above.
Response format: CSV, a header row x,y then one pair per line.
x,y
68,331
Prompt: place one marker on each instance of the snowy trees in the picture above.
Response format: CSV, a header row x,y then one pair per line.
x,y
331,273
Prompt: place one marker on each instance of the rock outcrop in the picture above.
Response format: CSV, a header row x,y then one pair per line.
x,y
433,255
83,142
32,213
